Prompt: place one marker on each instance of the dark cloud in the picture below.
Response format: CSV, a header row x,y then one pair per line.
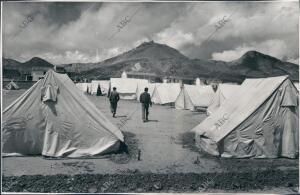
x,y
82,32
65,12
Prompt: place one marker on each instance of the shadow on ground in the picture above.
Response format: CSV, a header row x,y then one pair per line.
x,y
187,140
128,150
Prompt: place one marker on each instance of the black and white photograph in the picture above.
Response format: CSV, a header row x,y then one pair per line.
x,y
152,97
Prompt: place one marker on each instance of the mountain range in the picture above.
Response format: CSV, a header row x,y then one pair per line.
x,y
35,62
151,57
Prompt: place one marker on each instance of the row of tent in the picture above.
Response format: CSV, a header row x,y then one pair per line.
x,y
184,97
190,97
129,89
54,118
92,87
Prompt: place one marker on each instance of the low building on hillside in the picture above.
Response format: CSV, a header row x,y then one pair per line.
x,y
26,75
60,69
10,74
33,74
151,77
37,74
182,80
212,81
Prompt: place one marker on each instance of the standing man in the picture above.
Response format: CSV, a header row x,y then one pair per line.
x,y
114,98
145,99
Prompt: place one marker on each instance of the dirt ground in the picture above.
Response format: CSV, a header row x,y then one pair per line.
x,y
169,161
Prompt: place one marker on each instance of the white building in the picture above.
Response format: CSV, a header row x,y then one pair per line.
x,y
124,75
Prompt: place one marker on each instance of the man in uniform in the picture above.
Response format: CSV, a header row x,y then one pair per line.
x,y
114,98
145,99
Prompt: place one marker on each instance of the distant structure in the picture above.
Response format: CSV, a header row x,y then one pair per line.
x,y
124,75
33,74
38,73
59,69
9,74
198,81
151,77
175,79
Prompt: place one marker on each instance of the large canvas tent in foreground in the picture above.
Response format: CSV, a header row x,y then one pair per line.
x,y
261,120
165,93
54,118
223,92
193,96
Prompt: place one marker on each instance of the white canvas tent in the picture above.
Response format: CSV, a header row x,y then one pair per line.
x,y
104,86
12,86
53,118
129,88
151,87
165,93
141,85
223,92
261,120
193,96
85,87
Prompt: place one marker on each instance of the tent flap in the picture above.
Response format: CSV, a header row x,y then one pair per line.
x,y
49,93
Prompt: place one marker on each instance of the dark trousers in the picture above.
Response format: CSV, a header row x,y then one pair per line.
x,y
145,111
113,107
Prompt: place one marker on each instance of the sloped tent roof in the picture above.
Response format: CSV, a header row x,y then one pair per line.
x,y
104,85
192,96
54,118
84,86
141,85
261,120
223,92
128,88
151,87
165,93
12,85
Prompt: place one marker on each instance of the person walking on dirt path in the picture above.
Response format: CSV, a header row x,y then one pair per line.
x,y
145,99
114,98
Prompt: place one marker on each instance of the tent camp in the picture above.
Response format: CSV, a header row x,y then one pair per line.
x,y
223,92
129,88
165,93
85,87
53,118
104,85
12,86
261,120
193,96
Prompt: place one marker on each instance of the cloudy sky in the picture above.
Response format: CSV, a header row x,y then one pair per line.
x,y
88,32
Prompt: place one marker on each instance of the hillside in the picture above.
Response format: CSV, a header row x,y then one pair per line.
x,y
166,61
151,57
28,65
255,64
